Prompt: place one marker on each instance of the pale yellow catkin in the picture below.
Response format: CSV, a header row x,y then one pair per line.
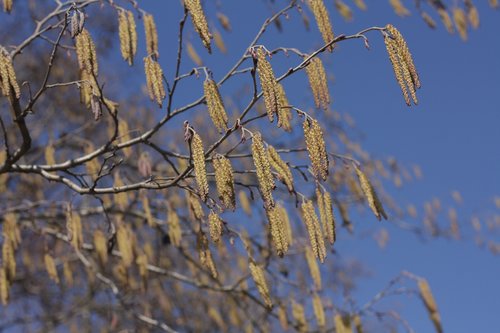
x,y
7,6
460,22
400,68
322,20
154,80
205,254
360,4
344,10
282,317
174,228
473,15
4,286
215,105
341,325
318,82
268,84
405,54
121,198
370,194
430,304
147,211
49,154
224,21
313,268
101,246
330,218
195,208
278,230
314,230
399,8
281,168
358,325
284,112
494,3
318,309
446,19
127,31
245,202
50,267
68,274
8,79
299,316
219,42
259,278
124,241
316,147
224,180
199,21
74,223
198,156
263,168
151,35
215,226
8,259
86,53
193,55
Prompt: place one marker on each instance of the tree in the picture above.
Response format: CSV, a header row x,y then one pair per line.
x,y
179,207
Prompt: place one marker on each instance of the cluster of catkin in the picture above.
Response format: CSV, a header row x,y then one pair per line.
x,y
263,167
268,82
128,35
316,147
199,22
86,53
198,156
215,105
154,80
322,20
8,80
280,229
224,180
259,278
402,63
281,168
318,83
370,194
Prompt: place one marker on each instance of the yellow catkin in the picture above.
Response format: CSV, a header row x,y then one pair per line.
x,y
263,167
101,246
281,168
74,223
446,19
278,230
8,259
319,312
318,82
360,4
358,325
121,198
11,230
124,241
313,268
370,195
284,113
331,234
430,303
429,20
92,166
472,15
344,10
401,70
399,8
68,274
50,267
321,208
154,80
174,228
322,20
88,88
341,325
142,265
405,54
268,84
245,202
195,208
199,21
224,180
286,223
219,42
299,317
147,211
261,283
215,105
127,31
151,35
8,79
215,225
193,55
4,286
460,22
49,154
7,6
86,53
316,147
224,21
314,230
198,156
205,254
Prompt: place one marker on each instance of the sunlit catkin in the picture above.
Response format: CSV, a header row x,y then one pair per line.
x,y
322,20
370,194
205,254
154,80
329,217
50,267
7,6
198,156
278,230
460,22
245,202
124,241
341,325
344,10
318,82
215,226
174,228
49,154
86,53
313,268
319,312
127,32
199,21
4,286
281,168
261,283
314,230
472,14
8,80
215,105
299,317
224,180
399,8
195,208
263,168
151,35
8,259
446,19
316,147
405,54
74,224
430,303
101,246
284,112
268,83
358,325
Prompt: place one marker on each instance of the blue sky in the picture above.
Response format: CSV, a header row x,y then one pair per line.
x,y
452,134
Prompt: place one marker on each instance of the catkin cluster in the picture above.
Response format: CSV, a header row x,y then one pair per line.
x,y
215,226
198,156
326,215
8,80
86,53
7,6
215,105
154,80
370,194
430,304
314,230
318,83
151,35
284,113
199,21
263,167
278,229
316,147
402,63
261,283
281,168
322,20
128,35
224,180
268,83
